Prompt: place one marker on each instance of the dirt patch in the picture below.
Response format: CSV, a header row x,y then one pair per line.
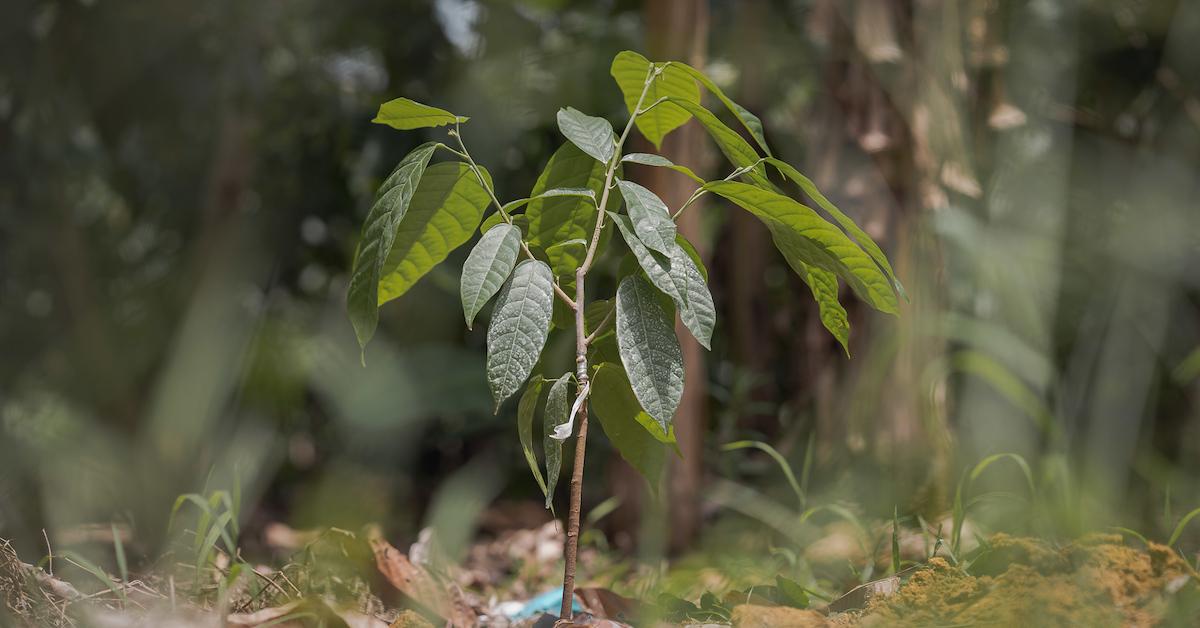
x,y
1097,581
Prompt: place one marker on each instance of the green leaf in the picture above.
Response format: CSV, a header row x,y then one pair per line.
x,y
650,216
824,287
800,232
512,206
630,70
555,219
650,159
791,593
520,324
488,267
748,120
558,406
405,114
848,224
526,409
624,422
592,135
692,253
735,148
378,237
649,349
678,277
443,215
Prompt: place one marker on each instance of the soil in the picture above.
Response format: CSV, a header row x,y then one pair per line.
x,y
1096,581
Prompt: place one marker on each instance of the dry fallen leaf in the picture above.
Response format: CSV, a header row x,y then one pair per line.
x,y
415,582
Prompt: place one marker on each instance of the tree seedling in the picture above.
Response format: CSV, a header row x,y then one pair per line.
x,y
537,250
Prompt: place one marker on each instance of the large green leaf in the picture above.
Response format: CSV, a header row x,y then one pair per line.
x,y
405,114
856,233
678,277
649,349
650,216
800,232
558,219
442,216
748,120
592,135
378,237
624,422
488,267
558,406
526,409
735,148
520,324
630,70
650,159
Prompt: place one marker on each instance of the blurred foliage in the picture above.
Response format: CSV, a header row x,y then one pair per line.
x,y
180,185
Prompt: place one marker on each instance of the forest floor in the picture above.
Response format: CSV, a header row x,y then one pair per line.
x,y
337,578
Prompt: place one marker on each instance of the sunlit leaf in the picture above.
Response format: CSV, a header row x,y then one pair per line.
x,y
405,114
649,349
824,287
617,408
856,233
650,216
488,267
442,216
592,135
630,70
520,324
378,237
650,159
748,120
800,232
736,149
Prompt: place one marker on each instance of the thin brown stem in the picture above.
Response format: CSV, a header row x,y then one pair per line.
x,y
572,547
581,366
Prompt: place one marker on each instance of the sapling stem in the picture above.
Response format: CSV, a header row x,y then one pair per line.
x,y
582,340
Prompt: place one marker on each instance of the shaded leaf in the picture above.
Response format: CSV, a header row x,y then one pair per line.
x,y
405,114
520,324
629,69
488,267
625,422
592,135
649,349
378,237
555,219
650,216
558,406
678,277
520,221
442,216
526,409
